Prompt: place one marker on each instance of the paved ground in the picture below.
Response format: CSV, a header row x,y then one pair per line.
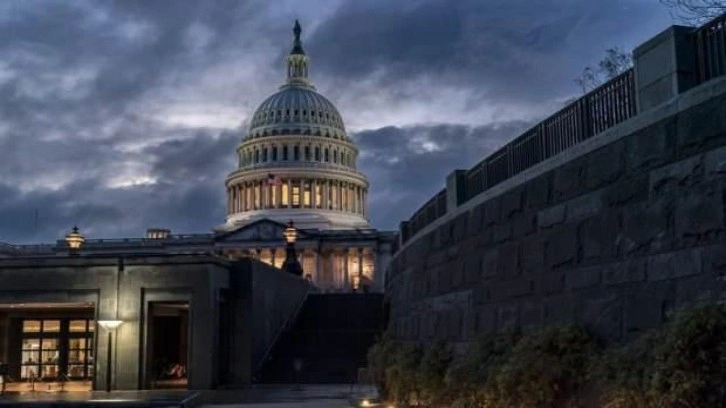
x,y
290,396
263,396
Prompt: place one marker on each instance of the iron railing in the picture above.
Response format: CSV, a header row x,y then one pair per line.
x,y
710,43
599,110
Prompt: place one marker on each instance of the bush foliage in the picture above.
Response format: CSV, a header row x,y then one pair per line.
x,y
682,364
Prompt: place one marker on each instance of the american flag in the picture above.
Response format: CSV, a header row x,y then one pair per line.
x,y
273,180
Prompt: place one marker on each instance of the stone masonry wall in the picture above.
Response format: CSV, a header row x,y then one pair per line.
x,y
615,239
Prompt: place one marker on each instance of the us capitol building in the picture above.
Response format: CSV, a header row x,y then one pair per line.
x,y
298,164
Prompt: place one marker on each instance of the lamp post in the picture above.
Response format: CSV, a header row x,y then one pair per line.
x,y
291,263
75,240
110,326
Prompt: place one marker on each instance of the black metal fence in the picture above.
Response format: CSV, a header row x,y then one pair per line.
x,y
710,44
604,107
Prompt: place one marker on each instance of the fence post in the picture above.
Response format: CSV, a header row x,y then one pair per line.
x,y
665,66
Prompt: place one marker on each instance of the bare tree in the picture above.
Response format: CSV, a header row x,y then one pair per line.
x,y
615,62
695,12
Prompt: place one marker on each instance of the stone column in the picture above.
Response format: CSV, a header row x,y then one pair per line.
x,y
326,192
289,193
313,193
272,255
346,276
360,267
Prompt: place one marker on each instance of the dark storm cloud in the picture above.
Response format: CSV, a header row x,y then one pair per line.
x,y
110,111
410,164
507,49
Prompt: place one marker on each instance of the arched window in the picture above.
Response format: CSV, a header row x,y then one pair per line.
x,y
264,154
284,152
317,153
274,153
327,156
307,153
257,155
335,156
296,152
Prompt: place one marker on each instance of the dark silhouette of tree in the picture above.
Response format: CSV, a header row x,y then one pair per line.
x,y
615,62
695,12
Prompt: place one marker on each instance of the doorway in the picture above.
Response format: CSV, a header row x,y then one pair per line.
x,y
168,345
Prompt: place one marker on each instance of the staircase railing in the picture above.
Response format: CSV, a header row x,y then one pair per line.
x,y
292,317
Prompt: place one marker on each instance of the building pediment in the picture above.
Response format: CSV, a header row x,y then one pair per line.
x,y
262,230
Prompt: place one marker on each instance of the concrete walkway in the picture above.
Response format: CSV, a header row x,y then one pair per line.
x,y
290,396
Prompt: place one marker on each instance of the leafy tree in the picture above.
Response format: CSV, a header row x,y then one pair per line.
x,y
401,383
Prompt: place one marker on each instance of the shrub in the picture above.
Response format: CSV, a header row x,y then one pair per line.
x,y
380,357
690,363
470,378
546,368
400,380
431,374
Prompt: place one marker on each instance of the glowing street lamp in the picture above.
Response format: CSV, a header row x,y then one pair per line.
x,y
110,326
291,263
75,240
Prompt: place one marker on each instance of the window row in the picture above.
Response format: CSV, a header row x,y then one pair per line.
x,y
273,153
297,193
269,116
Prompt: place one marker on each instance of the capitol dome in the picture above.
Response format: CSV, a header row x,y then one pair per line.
x,y
296,160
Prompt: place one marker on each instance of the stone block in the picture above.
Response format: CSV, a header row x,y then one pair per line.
x,y
603,317
472,268
598,236
532,316
560,309
511,289
645,227
486,321
715,162
474,222
511,203
524,224
562,246
605,165
489,262
532,255
507,317
481,294
491,211
624,272
538,192
567,180
582,277
508,261
668,178
584,206
672,265
631,190
652,146
459,232
549,283
452,252
551,216
714,262
501,232
645,308
698,215
701,127
694,290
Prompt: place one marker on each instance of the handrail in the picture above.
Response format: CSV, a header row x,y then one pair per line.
x,y
290,319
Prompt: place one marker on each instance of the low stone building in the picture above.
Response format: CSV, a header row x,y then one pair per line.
x,y
184,321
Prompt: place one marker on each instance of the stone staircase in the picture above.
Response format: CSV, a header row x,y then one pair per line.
x,y
330,339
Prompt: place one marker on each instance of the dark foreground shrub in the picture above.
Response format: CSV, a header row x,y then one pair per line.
x,y
548,368
432,371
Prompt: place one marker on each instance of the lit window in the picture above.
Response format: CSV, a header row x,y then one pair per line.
x,y
285,193
274,196
31,326
306,195
296,195
318,196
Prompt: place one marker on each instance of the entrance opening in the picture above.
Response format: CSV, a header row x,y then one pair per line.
x,y
168,344
48,346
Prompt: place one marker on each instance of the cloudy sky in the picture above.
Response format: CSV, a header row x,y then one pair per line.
x,y
120,116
